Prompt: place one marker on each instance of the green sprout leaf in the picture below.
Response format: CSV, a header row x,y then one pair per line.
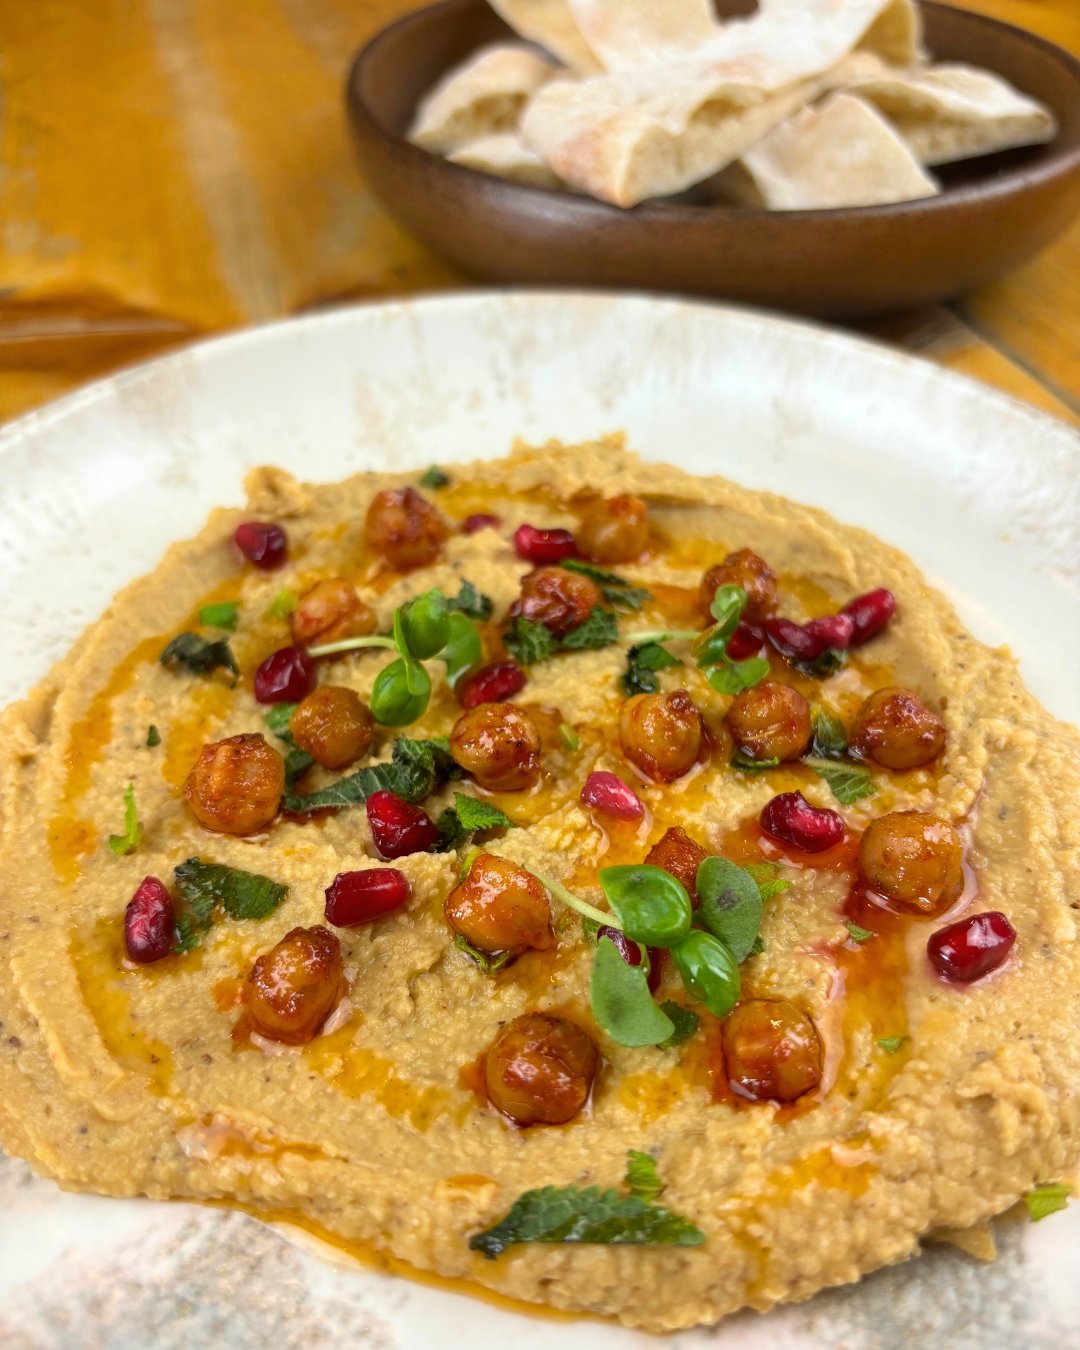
x,y
490,965
153,736
652,906
641,665
128,842
685,1022
732,677
420,626
400,694
847,782
642,1178
193,653
621,1002
731,905
244,895
1046,1199
434,478
708,971
463,651
224,615
891,1044
727,607
857,934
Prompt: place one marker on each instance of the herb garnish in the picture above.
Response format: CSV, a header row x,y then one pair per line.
x,y
739,761
830,661
616,590
858,934
200,657
642,663
490,965
891,1044
224,615
710,647
128,842
569,737
685,1022
284,603
244,895
847,782
600,629
572,1214
830,738
297,761
471,603
468,816
434,478
642,1178
731,906
529,643
415,769
1047,1199
153,736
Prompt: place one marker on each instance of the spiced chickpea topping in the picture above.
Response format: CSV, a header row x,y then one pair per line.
x,y
662,734
772,1051
680,855
330,611
294,987
914,859
235,785
895,729
540,1069
743,568
558,599
770,721
500,907
404,528
333,726
499,745
614,530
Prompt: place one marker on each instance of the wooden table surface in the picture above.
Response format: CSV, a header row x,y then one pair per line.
x,y
173,168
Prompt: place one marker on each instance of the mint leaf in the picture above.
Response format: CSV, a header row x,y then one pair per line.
x,y
452,834
641,664
600,629
128,842
642,1178
745,765
732,677
621,1002
730,904
616,590
189,933
767,879
570,1214
416,768
1046,1199
153,736
684,1020
830,661
297,761
857,934
477,815
891,1044
490,965
278,717
223,615
847,782
830,737
244,895
470,602
529,643
434,478
193,653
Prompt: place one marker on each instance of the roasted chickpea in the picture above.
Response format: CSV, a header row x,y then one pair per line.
x,y
661,734
499,745
330,611
914,859
558,599
743,568
500,907
404,528
897,730
235,785
772,1051
680,855
540,1069
614,530
770,721
294,987
333,726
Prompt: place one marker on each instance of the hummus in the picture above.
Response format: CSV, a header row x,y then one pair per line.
x,y
938,1103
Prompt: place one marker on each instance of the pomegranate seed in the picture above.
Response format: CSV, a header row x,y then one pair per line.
x,y
835,630
491,684
149,922
790,818
609,794
808,641
631,953
262,543
747,640
398,827
543,546
482,520
286,676
870,613
967,950
360,897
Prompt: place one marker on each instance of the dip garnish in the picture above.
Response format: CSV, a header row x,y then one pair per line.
x,y
224,614
128,842
415,769
193,653
1046,1199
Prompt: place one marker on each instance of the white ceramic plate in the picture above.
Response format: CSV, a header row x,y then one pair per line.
x,y
983,492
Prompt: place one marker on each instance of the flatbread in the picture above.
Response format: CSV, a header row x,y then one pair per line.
x,y
506,156
629,33
483,97
550,23
951,112
839,153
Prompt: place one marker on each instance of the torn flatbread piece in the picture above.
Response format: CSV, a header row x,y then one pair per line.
x,y
506,156
951,112
839,153
630,33
551,23
483,97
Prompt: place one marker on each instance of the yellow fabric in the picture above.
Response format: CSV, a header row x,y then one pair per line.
x,y
172,168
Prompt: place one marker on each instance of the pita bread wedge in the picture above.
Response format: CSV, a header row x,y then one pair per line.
x,y
551,23
628,33
506,156
841,152
952,112
483,97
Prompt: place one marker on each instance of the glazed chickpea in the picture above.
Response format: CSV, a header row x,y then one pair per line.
x,y
743,568
404,528
540,1069
333,726
499,745
680,855
500,907
294,987
895,729
558,599
330,611
770,721
614,530
914,859
235,785
772,1051
661,734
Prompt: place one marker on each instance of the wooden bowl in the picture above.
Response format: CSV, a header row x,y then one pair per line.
x,y
993,214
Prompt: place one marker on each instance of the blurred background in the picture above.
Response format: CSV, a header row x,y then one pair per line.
x,y
171,169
